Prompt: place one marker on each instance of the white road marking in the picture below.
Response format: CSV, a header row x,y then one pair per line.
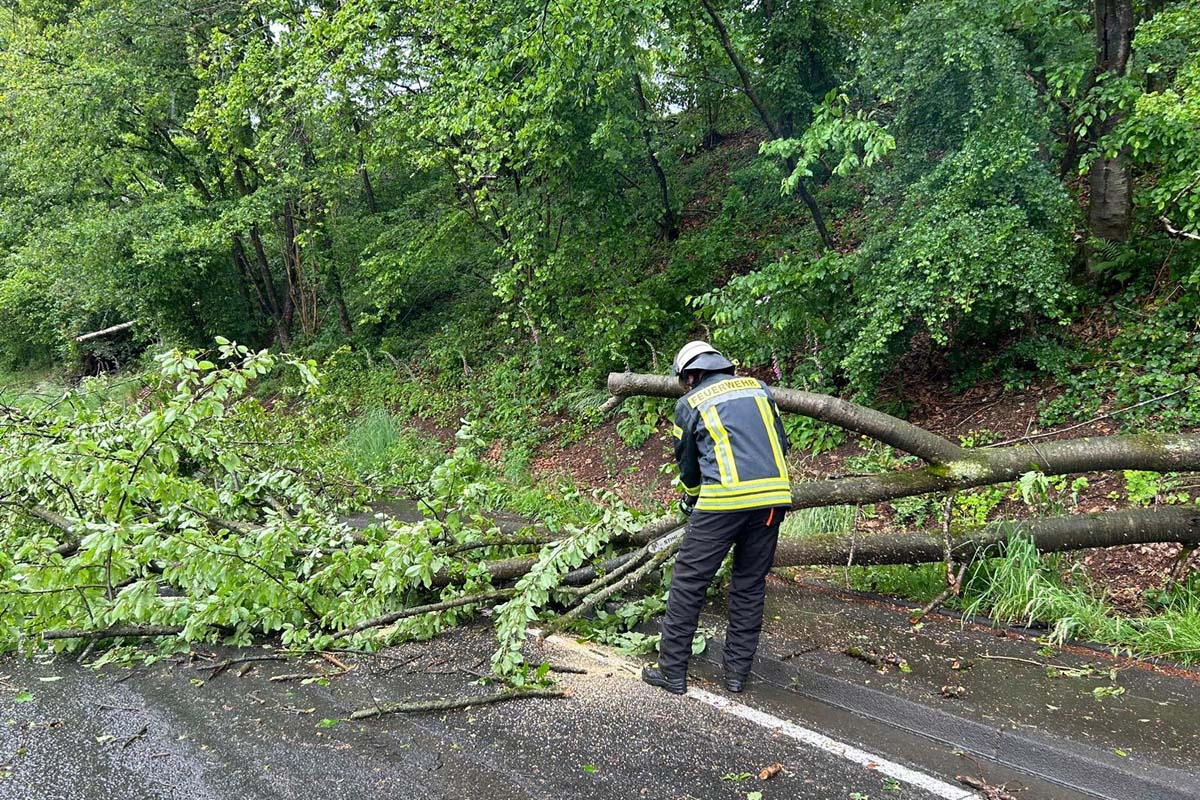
x,y
883,766
833,746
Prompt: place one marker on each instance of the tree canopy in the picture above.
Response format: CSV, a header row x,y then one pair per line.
x,y
819,185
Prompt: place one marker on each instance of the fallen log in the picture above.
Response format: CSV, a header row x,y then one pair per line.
x,y
949,467
124,326
1055,534
118,632
888,429
1050,535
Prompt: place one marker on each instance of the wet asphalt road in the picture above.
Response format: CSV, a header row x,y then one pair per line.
x,y
174,731
168,731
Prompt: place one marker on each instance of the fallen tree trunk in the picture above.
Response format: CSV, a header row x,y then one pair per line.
x,y
1056,534
124,326
888,429
1051,535
949,467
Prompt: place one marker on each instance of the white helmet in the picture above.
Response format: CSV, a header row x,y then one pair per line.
x,y
700,355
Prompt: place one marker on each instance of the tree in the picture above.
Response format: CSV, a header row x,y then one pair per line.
x,y
1110,202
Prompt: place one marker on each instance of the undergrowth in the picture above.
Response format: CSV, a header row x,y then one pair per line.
x,y
1026,587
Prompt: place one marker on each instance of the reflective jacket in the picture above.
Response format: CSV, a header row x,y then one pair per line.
x,y
729,445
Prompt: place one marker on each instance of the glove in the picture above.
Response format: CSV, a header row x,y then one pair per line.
x,y
687,504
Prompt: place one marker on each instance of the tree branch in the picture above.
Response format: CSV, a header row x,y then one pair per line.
x,y
117,632
842,413
451,703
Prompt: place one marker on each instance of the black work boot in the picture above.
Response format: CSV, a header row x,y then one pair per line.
x,y
673,684
736,683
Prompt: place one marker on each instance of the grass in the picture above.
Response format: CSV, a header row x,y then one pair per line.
x,y
1026,587
17,385
377,443
811,521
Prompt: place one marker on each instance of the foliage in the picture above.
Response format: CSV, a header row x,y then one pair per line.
x,y
1161,132
968,230
192,506
640,419
834,128
1148,369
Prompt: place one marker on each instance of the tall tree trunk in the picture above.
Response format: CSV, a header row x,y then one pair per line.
x,y
294,297
333,276
670,221
1110,205
242,263
269,292
363,174
767,119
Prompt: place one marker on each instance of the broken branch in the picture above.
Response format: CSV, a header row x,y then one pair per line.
x,y
451,703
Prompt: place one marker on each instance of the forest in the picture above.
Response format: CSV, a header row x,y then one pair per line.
x,y
265,264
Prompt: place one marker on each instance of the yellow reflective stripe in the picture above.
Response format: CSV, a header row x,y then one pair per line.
x,y
764,408
677,431
748,487
724,450
692,491
732,385
737,504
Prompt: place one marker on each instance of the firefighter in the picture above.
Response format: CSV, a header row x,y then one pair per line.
x,y
730,447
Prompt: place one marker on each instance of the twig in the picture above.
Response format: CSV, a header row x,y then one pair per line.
x,y
1178,569
300,676
1018,660
989,791
218,668
451,703
1044,434
337,662
850,556
130,740
953,589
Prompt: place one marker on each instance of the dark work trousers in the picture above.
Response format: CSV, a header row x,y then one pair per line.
x,y
753,535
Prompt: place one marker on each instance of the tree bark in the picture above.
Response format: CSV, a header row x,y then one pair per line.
x,y
1110,202
120,632
363,174
124,326
1056,534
